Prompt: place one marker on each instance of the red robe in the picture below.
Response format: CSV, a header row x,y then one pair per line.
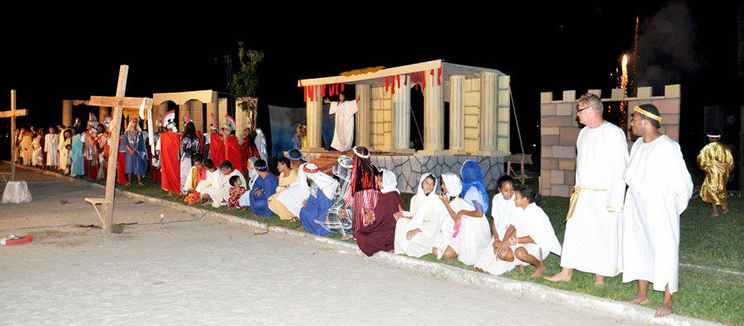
x,y
93,168
233,153
216,149
121,163
249,147
170,167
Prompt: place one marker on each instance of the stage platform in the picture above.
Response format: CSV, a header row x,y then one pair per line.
x,y
409,167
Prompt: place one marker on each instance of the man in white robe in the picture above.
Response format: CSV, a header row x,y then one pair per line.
x,y
343,134
592,238
210,187
659,189
51,147
224,192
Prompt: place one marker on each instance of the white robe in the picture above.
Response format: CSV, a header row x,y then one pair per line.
x,y
27,149
64,153
245,199
344,129
659,189
211,185
592,239
224,192
533,222
474,235
38,157
51,144
297,192
501,211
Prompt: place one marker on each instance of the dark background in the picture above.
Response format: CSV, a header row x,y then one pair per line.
x,y
544,47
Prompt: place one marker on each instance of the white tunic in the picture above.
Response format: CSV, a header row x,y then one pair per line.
x,y
38,157
534,223
211,185
659,190
344,130
297,192
592,240
64,153
501,211
51,144
224,192
474,234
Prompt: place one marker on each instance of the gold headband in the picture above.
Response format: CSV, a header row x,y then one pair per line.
x,y
648,114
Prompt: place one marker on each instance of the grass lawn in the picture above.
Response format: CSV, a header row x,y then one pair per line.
x,y
708,242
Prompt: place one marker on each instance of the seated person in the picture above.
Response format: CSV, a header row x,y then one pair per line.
x,y
237,189
472,231
264,186
245,201
209,188
426,186
501,210
338,218
197,174
224,192
319,202
378,232
530,238
289,201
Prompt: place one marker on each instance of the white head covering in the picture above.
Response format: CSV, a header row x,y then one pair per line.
x,y
453,183
420,190
324,182
389,182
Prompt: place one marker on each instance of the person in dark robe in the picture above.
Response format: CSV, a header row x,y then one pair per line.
x,y
378,232
364,190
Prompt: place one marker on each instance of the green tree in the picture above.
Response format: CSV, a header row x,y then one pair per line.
x,y
245,81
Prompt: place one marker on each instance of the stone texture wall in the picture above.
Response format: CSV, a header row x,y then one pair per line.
x,y
559,131
409,168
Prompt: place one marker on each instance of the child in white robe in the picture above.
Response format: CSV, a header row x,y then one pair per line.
x,y
530,237
472,233
502,208
426,189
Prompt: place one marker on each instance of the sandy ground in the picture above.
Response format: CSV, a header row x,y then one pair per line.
x,y
206,272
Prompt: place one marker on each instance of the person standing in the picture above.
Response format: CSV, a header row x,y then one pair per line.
x,y
716,161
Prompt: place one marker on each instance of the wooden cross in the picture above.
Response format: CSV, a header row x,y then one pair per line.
x,y
118,102
12,114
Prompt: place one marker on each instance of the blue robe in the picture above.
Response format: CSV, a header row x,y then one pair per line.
x,y
260,203
314,212
78,165
135,163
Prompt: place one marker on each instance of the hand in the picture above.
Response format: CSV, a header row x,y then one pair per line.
x,y
412,233
326,101
250,165
503,247
443,198
358,98
304,203
369,217
398,215
496,244
343,214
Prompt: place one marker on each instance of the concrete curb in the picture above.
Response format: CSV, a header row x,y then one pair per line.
x,y
630,312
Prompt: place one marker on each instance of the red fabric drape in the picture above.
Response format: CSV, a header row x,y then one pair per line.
x,y
170,143
121,162
216,148
233,153
439,76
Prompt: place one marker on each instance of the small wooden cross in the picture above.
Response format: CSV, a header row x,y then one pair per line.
x,y
12,114
118,102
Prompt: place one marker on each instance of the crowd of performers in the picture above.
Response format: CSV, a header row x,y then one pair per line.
x,y
623,215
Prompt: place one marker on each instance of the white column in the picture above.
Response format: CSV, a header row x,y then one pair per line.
x,y
433,116
402,117
67,113
457,114
362,117
314,121
222,112
488,114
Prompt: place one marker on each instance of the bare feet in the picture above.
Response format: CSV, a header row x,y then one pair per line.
x,y
725,210
664,310
539,270
563,276
639,301
345,238
599,280
520,270
140,183
479,270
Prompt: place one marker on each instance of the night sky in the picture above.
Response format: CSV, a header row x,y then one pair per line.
x,y
552,47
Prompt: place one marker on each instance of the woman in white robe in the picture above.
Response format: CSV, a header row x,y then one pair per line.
x,y
27,147
472,231
502,207
426,189
64,152
51,147
294,197
38,156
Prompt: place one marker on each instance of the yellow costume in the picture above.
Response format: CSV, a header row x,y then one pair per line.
x,y
275,205
711,160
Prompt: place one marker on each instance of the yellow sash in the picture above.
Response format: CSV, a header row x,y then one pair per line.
x,y
575,198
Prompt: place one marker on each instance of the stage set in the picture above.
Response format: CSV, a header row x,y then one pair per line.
x,y
479,123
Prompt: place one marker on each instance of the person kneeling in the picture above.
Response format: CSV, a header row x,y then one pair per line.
x,y
530,237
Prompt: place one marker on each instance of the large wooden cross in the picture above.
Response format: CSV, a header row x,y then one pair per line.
x,y
118,102
12,114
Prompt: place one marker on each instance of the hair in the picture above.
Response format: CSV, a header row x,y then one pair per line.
x,y
526,192
504,179
260,165
208,163
198,158
285,161
362,150
592,100
234,179
190,130
226,165
650,108
430,177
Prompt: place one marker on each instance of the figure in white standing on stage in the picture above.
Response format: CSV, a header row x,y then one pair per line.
x,y
343,134
591,243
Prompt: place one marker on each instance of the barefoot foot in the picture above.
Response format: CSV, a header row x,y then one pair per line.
x,y
599,280
538,271
520,270
563,276
664,310
639,301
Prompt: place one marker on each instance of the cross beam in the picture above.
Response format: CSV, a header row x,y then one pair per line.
x,y
12,114
118,102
